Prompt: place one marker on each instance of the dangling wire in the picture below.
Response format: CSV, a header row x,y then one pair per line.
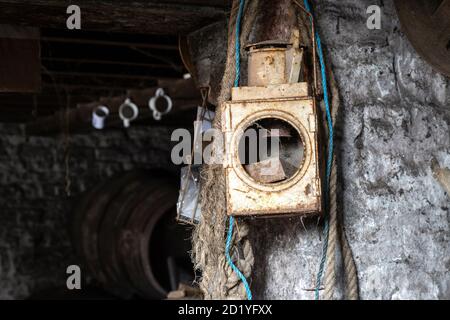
x,y
231,221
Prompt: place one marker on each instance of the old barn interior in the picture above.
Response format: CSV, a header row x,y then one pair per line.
x,y
94,205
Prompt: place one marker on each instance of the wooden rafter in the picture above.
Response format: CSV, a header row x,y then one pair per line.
x,y
155,17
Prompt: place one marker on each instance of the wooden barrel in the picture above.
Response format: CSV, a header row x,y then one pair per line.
x,y
125,231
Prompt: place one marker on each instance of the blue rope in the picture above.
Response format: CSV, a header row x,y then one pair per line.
x,y
329,159
238,43
230,261
231,223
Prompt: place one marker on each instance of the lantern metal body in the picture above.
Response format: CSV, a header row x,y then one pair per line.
x,y
291,103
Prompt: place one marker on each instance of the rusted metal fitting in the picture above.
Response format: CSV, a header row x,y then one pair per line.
x,y
274,62
267,63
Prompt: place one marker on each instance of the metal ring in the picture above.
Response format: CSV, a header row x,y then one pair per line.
x,y
152,104
98,120
129,104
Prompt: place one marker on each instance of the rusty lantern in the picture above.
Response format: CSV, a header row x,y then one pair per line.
x,y
285,181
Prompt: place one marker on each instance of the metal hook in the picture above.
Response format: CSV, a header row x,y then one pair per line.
x,y
157,115
128,104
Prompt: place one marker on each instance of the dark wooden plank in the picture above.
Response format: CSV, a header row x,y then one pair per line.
x,y
215,3
154,17
72,61
277,17
111,43
184,95
19,59
109,76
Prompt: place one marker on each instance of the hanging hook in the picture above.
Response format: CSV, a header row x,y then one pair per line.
x,y
157,115
128,105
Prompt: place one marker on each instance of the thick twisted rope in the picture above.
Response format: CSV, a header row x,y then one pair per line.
x,y
351,274
336,231
207,239
333,228
330,273
236,84
219,281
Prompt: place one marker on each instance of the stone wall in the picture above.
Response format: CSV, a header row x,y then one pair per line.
x,y
35,249
395,118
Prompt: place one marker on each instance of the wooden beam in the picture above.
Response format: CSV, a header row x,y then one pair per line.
x,y
79,119
277,18
214,3
151,17
107,75
159,46
109,62
20,63
61,86
182,92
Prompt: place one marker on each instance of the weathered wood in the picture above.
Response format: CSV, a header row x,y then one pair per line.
x,y
159,46
108,62
182,92
215,3
275,20
107,75
157,17
19,59
79,119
